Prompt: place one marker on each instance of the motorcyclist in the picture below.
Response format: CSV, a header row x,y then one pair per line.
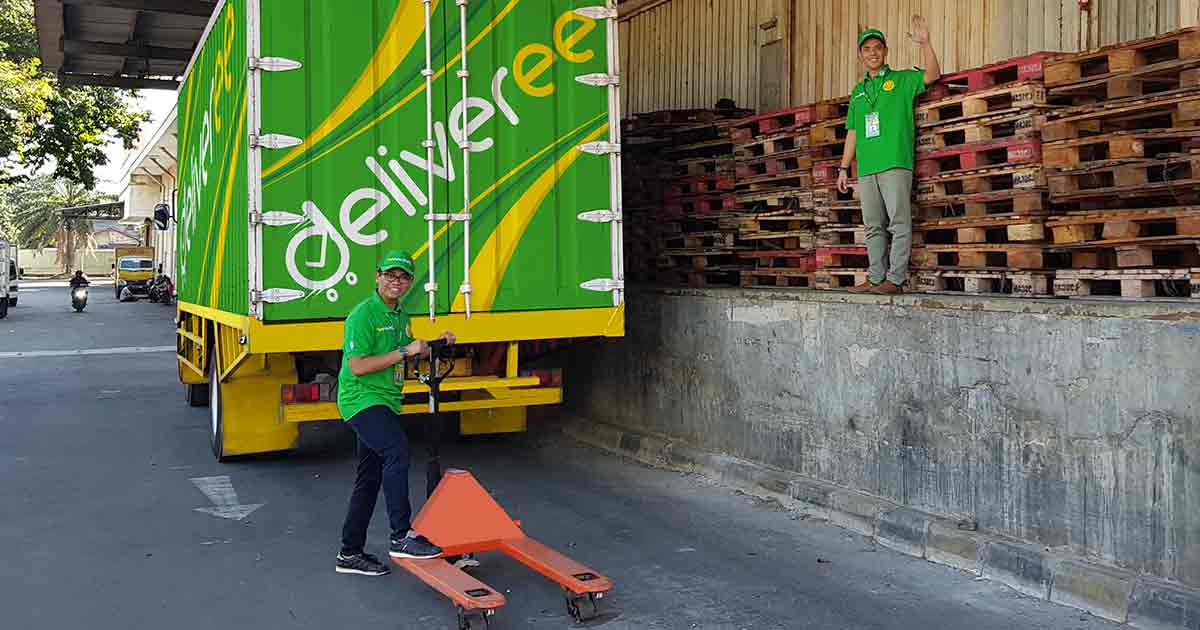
x,y
79,280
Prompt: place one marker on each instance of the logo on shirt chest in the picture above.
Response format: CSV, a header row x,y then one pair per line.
x,y
889,85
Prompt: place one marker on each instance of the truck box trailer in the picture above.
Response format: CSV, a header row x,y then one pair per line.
x,y
481,136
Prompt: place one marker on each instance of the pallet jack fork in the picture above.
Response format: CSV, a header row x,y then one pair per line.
x,y
462,518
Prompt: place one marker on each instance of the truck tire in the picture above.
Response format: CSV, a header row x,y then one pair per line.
x,y
12,301
196,395
3,309
117,292
216,413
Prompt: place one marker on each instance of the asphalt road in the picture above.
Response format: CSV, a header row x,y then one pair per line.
x,y
98,454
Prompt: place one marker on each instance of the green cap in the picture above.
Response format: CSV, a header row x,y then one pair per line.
x,y
869,33
397,259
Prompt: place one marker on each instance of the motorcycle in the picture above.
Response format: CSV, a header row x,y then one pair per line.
x,y
79,295
162,290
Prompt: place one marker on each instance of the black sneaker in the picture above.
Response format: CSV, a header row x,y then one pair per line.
x,y
361,564
417,547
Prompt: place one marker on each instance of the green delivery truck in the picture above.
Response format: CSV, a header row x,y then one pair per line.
x,y
480,135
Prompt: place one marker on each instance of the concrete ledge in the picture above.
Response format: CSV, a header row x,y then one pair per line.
x,y
1099,590
905,530
1103,591
949,545
1160,606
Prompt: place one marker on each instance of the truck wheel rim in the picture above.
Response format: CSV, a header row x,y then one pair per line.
x,y
214,403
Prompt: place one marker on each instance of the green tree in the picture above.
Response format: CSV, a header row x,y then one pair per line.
x,y
35,207
44,123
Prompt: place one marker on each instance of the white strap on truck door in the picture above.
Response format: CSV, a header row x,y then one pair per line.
x,y
430,286
463,75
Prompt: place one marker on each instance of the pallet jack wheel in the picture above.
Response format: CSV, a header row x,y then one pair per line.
x,y
582,607
473,619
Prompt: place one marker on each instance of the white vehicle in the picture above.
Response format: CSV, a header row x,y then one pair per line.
x,y
6,298
13,275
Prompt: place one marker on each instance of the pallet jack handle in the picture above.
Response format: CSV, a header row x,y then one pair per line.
x,y
439,354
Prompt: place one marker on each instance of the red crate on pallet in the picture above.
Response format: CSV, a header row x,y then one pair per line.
x,y
1008,71
978,155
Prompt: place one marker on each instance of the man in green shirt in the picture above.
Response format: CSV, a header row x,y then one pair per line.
x,y
880,132
378,339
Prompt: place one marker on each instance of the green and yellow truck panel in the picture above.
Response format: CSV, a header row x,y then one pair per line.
x,y
304,130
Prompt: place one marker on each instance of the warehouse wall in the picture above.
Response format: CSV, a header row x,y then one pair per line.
x,y
679,54
967,33
688,54
1019,415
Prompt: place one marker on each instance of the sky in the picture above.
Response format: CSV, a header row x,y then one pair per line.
x,y
159,104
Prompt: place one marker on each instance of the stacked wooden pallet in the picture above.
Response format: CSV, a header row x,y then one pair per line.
x,y
681,215
981,199
773,168
841,237
1124,163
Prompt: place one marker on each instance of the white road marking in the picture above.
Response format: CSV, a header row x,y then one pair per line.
x,y
220,491
30,354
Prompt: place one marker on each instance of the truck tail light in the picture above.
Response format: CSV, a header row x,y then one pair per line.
x,y
306,393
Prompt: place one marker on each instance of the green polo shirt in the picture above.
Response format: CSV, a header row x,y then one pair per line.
x,y
371,329
888,96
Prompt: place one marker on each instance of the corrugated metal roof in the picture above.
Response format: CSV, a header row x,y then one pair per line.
x,y
120,43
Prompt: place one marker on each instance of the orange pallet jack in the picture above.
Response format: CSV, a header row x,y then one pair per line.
x,y
463,519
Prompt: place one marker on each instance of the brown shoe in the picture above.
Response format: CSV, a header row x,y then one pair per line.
x,y
865,287
887,287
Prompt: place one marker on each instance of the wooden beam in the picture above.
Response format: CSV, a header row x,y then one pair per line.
x,y
198,8
104,49
630,8
67,78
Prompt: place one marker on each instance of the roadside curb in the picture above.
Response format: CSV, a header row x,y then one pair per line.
x,y
1065,579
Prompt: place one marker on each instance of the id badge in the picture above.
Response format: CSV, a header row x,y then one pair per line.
x,y
872,125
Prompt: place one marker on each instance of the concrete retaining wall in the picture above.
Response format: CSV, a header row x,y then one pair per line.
x,y
1068,425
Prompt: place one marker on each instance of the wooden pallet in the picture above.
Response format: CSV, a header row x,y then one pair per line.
x,y
698,240
701,167
992,179
829,197
1157,78
771,122
777,219
700,278
699,259
839,215
841,257
1132,177
803,260
1004,99
1155,251
782,240
1005,202
773,278
775,165
1082,227
1008,283
700,205
794,199
1118,59
962,231
1120,145
839,278
828,133
831,109
1162,111
700,185
975,256
1129,283
1013,70
772,145
967,157
839,235
987,128
825,172
799,178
